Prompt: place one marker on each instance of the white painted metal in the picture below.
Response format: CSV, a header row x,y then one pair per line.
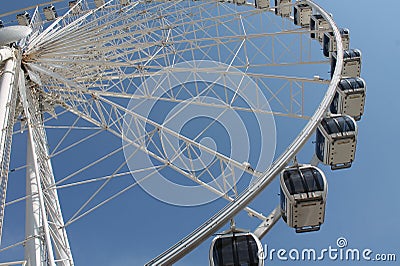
x,y
40,251
74,38
34,246
22,263
13,34
45,208
7,110
190,175
267,224
5,54
187,244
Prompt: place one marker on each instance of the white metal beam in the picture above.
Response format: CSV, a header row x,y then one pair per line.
x,y
183,247
7,110
45,208
34,251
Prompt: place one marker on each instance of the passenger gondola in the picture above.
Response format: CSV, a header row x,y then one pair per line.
x,y
349,98
318,27
236,248
336,140
283,8
99,3
50,13
329,42
125,2
239,2
77,9
302,15
24,19
303,197
351,63
262,4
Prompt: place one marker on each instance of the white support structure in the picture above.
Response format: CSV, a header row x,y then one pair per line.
x,y
7,110
268,223
47,239
34,247
187,244
21,263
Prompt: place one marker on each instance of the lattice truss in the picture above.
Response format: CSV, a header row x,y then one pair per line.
x,y
90,63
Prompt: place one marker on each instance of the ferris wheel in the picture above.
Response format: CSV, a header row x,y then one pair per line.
x,y
195,102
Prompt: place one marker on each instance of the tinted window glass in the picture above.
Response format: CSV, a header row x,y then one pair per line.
x,y
351,83
223,252
338,124
320,145
309,181
313,179
239,250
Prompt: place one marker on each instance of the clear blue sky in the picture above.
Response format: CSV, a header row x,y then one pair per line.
x,y
362,202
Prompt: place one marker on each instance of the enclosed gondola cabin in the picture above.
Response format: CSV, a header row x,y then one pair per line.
x,y
125,2
318,27
351,63
262,4
50,13
283,8
303,197
336,140
75,6
330,45
236,249
24,19
349,98
99,3
302,15
239,2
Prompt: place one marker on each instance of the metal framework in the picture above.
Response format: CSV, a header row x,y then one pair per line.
x,y
89,62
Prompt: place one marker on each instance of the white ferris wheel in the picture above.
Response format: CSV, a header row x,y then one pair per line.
x,y
195,102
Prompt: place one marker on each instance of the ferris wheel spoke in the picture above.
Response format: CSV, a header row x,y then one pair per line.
x,y
292,82
295,99
85,66
98,191
41,177
229,170
55,152
110,19
166,130
118,46
8,84
108,178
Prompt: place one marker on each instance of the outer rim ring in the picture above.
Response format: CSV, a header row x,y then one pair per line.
x,y
190,242
208,228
